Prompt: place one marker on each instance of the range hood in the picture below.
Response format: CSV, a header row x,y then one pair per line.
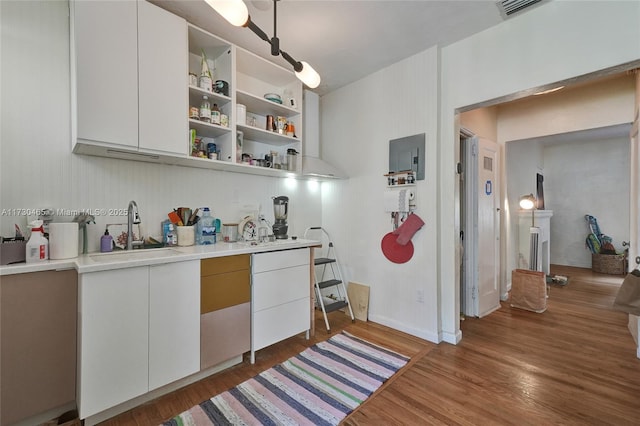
x,y
312,164
315,167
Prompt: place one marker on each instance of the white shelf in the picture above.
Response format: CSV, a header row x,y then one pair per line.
x,y
125,153
200,40
401,186
262,106
207,129
214,98
265,136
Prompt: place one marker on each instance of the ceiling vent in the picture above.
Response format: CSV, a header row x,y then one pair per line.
x,y
509,8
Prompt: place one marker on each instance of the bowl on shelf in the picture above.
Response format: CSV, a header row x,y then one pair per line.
x,y
273,97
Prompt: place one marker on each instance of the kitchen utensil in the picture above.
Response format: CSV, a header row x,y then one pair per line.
x,y
290,129
271,125
395,252
280,212
273,97
175,219
230,232
193,216
291,159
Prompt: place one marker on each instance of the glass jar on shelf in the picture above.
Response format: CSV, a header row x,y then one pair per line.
x,y
205,110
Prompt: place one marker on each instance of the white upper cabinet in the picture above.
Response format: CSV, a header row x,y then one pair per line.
x,y
134,98
131,68
106,55
162,68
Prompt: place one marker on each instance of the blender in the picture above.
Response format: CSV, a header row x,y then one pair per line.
x,y
280,209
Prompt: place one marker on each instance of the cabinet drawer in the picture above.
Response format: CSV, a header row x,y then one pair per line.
x,y
263,262
223,290
220,265
224,334
279,323
277,287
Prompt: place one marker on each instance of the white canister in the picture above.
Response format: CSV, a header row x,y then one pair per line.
x,y
241,114
63,240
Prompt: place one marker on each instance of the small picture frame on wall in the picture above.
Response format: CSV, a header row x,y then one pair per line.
x,y
539,192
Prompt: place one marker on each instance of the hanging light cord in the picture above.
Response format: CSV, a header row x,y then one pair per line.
x,y
235,11
274,42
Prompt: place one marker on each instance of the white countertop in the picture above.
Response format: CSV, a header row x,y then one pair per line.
x,y
94,262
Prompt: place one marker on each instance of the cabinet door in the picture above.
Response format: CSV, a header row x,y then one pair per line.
x,y
163,68
225,333
38,314
106,54
174,322
114,340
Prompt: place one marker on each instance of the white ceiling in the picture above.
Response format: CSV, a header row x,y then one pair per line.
x,y
345,40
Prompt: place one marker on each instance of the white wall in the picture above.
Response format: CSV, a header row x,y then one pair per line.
x,y
356,125
553,42
37,167
589,177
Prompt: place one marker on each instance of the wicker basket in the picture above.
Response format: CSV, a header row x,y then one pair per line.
x,y
613,264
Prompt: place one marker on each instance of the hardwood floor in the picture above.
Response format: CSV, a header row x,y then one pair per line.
x,y
573,364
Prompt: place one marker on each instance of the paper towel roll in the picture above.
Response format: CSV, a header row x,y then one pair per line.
x,y
397,200
63,240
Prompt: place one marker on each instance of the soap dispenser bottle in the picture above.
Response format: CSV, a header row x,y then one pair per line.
x,y
106,242
38,245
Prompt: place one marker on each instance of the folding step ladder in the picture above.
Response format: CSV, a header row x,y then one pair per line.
x,y
327,275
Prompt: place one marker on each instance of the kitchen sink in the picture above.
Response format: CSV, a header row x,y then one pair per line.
x,y
121,256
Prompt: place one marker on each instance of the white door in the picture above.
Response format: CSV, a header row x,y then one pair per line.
x,y
481,230
488,227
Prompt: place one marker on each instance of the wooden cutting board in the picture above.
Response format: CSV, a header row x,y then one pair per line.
x,y
359,298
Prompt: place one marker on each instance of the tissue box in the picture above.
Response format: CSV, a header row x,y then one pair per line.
x,y
12,250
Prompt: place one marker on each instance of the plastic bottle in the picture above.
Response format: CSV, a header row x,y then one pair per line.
x,y
206,229
215,115
106,242
38,245
205,110
169,235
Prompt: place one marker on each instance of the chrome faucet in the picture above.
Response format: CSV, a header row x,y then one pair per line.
x,y
133,218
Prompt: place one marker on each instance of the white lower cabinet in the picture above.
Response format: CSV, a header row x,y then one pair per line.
x,y
139,329
280,297
174,322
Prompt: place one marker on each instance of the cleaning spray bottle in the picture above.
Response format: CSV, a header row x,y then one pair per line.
x,y
38,245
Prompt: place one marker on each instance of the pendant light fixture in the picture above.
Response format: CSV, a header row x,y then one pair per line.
x,y
236,12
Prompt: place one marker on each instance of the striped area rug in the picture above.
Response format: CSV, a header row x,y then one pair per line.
x,y
319,386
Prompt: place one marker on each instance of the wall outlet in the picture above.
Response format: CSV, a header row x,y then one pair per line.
x,y
420,296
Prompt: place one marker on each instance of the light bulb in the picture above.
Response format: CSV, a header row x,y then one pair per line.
x,y
308,75
234,11
526,202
